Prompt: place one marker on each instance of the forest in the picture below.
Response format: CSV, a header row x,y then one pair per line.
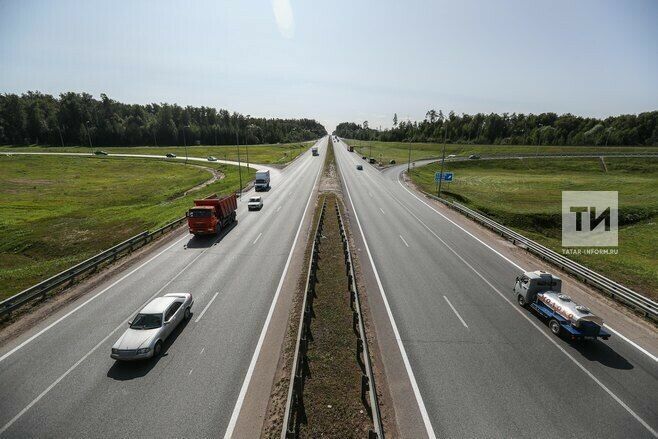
x,y
34,118
514,129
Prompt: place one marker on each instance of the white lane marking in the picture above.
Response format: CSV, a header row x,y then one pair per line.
x,y
635,345
456,313
370,193
202,351
38,334
77,363
206,309
548,337
382,210
398,339
632,343
190,372
278,208
257,238
405,242
463,229
261,338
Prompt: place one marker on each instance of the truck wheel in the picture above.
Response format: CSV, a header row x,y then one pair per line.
x,y
554,326
521,301
188,313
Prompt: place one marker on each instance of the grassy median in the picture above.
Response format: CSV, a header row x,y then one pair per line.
x,y
526,196
263,154
384,152
57,211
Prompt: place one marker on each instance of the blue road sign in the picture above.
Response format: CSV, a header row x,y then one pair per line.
x,y
447,176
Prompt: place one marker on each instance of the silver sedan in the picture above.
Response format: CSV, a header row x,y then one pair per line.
x,y
151,327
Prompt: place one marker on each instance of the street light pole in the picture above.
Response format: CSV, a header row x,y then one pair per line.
x,y
443,159
237,145
185,141
91,147
409,160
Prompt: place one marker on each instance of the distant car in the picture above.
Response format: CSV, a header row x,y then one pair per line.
x,y
212,159
255,203
452,156
171,155
392,162
364,157
99,152
372,160
151,327
473,157
359,167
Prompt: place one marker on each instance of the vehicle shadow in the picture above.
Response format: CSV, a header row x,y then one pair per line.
x,y
129,370
206,241
600,351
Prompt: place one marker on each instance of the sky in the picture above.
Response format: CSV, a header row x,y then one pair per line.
x,y
337,61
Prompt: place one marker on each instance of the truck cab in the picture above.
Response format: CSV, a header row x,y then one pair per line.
x,y
262,180
314,150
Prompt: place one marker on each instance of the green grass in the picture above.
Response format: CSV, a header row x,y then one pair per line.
x,y
262,154
399,151
57,211
526,195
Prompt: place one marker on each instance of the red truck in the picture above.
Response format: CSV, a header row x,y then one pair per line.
x,y
211,215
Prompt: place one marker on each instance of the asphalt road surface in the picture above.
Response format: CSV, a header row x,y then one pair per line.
x,y
482,366
58,380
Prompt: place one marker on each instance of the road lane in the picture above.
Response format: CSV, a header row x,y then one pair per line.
x,y
505,376
233,283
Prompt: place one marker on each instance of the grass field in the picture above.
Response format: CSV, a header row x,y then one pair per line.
x,y
526,195
399,151
262,154
57,211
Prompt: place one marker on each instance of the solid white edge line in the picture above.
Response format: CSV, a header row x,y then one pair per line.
x,y
626,339
205,308
547,336
84,357
257,238
405,242
463,229
414,385
252,365
38,334
456,313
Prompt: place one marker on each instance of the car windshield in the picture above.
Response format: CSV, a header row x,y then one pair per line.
x,y
254,199
146,321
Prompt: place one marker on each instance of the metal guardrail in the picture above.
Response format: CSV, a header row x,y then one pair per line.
x,y
294,414
69,276
616,291
367,377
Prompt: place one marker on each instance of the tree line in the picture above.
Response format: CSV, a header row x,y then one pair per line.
x,y
514,129
79,119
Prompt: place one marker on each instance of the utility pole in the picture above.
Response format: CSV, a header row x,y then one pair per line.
x,y
409,160
237,145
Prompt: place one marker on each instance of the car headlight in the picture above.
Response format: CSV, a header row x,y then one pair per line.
x,y
115,351
143,350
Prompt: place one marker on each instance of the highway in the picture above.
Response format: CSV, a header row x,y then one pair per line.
x,y
477,364
58,379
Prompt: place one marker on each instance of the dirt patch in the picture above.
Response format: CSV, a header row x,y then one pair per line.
x,y
216,175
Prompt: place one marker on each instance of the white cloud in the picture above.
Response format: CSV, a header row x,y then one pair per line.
x,y
284,18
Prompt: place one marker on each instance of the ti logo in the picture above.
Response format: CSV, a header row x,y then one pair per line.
x,y
589,218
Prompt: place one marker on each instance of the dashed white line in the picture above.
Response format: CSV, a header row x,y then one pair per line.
x,y
278,208
202,351
206,309
190,372
257,238
382,210
456,313
405,242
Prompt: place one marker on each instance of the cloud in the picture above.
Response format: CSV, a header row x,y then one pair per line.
x,y
284,18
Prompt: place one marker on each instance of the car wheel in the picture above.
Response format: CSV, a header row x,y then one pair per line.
x,y
521,301
157,349
188,313
554,326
